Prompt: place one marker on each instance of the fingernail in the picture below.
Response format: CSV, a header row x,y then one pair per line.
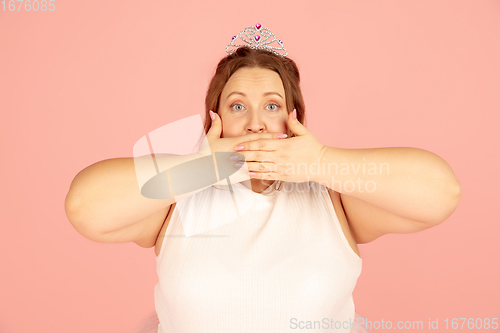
x,y
239,164
252,174
233,158
282,136
212,114
294,114
239,148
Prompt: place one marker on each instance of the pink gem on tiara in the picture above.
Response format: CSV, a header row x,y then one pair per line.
x,y
264,40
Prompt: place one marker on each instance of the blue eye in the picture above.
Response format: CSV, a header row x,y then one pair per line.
x,y
276,106
238,110
236,105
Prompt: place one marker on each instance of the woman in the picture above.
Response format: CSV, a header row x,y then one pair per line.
x,y
287,260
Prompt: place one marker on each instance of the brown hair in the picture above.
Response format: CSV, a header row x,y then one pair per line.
x,y
255,58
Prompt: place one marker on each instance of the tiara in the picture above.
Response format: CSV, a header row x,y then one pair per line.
x,y
258,41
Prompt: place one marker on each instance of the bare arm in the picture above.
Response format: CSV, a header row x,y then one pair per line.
x,y
419,192
105,197
105,204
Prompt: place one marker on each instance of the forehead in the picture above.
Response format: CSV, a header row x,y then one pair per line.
x,y
255,79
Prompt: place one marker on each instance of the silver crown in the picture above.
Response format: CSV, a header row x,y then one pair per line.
x,y
257,37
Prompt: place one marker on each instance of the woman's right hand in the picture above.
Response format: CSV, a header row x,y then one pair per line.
x,y
218,144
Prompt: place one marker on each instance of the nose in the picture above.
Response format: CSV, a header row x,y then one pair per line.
x,y
255,123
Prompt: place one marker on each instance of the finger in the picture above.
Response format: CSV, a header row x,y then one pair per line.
x,y
261,167
215,129
256,156
257,145
264,175
258,136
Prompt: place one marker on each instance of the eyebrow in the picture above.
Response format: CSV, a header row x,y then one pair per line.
x,y
264,94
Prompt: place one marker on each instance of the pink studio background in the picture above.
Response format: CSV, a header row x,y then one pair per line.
x,y
83,83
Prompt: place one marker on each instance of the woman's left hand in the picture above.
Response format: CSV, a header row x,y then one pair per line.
x,y
284,159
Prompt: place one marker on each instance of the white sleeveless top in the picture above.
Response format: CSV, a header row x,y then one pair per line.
x,y
251,262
